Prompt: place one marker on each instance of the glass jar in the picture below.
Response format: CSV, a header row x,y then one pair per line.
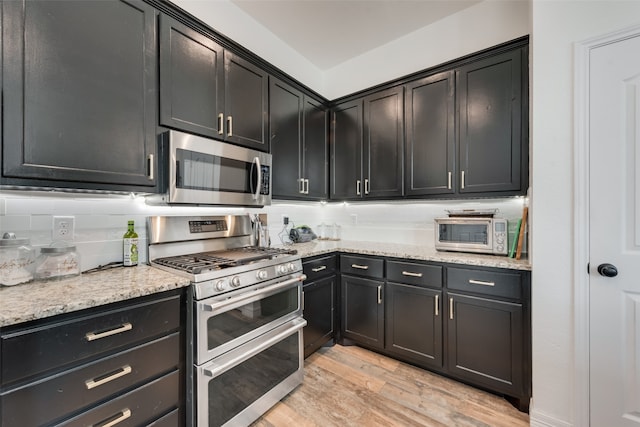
x,y
17,260
335,231
57,261
321,231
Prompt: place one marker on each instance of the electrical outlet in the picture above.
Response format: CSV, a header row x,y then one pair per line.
x,y
285,219
63,227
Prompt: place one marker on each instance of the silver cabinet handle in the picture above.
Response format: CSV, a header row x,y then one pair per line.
x,y
410,274
358,192
322,267
301,186
306,182
93,383
366,186
229,125
124,414
462,180
220,124
92,336
360,267
437,305
449,181
451,308
481,282
380,294
151,165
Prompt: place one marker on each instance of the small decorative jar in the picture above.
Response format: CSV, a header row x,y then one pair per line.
x,y
17,260
57,261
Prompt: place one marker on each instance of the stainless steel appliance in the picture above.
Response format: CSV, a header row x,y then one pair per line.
x,y
472,231
203,171
246,314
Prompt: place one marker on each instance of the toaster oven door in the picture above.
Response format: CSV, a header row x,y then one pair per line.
x,y
464,235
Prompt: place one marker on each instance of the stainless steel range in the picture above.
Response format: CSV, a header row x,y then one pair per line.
x,y
246,313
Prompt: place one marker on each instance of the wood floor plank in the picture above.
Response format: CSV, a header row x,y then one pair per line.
x,y
353,387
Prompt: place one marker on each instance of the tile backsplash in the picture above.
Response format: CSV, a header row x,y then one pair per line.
x,y
101,220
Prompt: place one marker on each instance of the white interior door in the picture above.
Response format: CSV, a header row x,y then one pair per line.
x,y
614,227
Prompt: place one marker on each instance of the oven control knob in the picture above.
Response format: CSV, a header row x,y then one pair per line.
x,y
235,282
282,269
262,274
291,266
221,285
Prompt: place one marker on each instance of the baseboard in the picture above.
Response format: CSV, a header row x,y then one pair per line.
x,y
540,419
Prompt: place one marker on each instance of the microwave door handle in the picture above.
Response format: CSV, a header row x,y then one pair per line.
x,y
256,161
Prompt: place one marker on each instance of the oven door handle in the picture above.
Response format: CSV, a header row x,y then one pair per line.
x,y
262,292
216,369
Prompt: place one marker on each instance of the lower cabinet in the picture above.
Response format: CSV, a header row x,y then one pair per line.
x,y
320,299
363,310
100,366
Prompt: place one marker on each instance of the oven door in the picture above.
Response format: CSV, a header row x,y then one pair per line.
x,y
228,320
464,235
239,386
203,171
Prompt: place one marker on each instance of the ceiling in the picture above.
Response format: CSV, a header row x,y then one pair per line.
x,y
330,32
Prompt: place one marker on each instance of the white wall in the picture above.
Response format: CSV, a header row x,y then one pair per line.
x,y
557,25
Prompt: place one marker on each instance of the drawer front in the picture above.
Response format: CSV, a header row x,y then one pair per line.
x,y
362,266
319,267
494,283
88,384
414,274
34,351
137,408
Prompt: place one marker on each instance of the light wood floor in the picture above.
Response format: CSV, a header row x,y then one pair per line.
x,y
351,386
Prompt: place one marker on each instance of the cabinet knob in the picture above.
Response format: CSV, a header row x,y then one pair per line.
x,y
607,270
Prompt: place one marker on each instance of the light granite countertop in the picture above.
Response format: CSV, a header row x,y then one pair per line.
x,y
37,300
417,252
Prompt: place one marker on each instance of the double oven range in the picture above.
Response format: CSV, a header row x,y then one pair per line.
x,y
245,315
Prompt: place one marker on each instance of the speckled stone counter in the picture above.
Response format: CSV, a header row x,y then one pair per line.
x,y
417,252
36,300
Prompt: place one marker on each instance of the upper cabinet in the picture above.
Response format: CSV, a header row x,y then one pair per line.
x,y
79,94
490,118
298,128
207,90
367,147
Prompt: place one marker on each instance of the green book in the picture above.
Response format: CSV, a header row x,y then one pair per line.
x,y
514,244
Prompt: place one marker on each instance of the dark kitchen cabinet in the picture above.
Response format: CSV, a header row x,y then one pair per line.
x,y
492,131
208,90
346,151
319,302
298,129
79,94
367,147
430,135
413,317
488,324
119,361
362,303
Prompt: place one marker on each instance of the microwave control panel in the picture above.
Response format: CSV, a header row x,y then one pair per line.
x,y
266,179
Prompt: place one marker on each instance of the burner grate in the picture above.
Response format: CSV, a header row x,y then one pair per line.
x,y
197,263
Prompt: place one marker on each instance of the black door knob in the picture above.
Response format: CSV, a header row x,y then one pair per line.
x,y
607,270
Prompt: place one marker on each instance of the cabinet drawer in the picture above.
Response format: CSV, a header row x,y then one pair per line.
x,y
362,266
414,274
139,407
88,384
501,284
33,351
319,267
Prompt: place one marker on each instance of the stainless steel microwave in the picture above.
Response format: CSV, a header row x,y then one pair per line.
x,y
203,171
472,234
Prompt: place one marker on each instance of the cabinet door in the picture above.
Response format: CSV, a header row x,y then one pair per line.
x,y
346,151
383,143
489,97
486,342
286,106
315,154
319,304
191,80
430,138
414,323
363,310
79,88
246,102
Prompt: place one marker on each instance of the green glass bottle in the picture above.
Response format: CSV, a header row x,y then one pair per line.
x,y
130,246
